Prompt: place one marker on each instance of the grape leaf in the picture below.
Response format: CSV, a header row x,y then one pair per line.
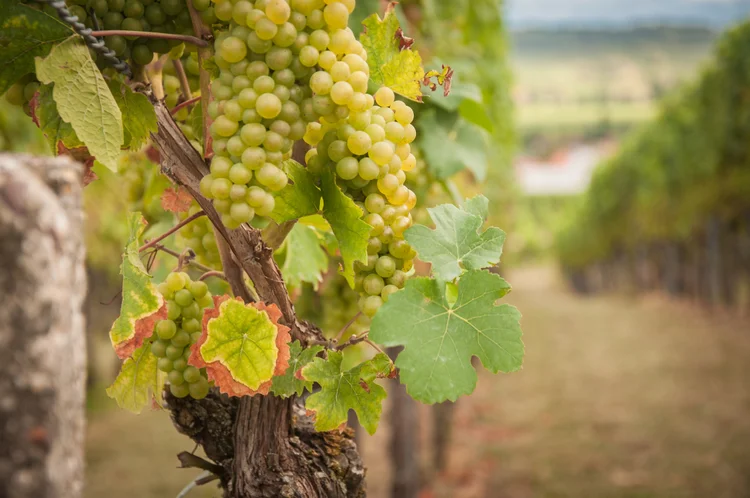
x,y
478,205
305,261
341,391
456,243
83,99
25,33
45,115
401,70
290,383
345,219
450,145
439,339
242,346
139,379
138,115
142,305
301,197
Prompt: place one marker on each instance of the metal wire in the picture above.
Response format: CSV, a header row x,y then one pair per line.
x,y
94,43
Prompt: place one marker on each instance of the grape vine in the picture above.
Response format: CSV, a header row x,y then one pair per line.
x,y
272,81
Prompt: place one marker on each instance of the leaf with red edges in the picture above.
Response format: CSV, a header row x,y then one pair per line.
x,y
242,346
176,200
142,304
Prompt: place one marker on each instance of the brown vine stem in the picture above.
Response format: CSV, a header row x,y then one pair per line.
x,y
373,345
153,242
181,105
182,76
345,327
204,54
213,273
166,250
148,34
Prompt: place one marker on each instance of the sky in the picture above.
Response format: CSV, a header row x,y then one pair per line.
x,y
522,13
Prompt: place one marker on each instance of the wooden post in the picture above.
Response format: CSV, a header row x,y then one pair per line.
x,y
404,444
42,339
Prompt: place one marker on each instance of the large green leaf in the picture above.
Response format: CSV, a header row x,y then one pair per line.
x,y
290,383
138,116
450,144
138,382
305,260
142,304
456,244
344,390
391,65
440,339
300,198
25,33
84,99
345,219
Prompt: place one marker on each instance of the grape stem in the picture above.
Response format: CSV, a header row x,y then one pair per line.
x,y
184,83
153,242
345,327
213,273
452,190
184,104
148,34
160,247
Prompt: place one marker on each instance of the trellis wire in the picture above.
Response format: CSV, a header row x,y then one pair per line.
x,y
94,43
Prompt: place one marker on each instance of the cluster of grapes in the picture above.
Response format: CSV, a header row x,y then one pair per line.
x,y
372,153
173,337
264,98
159,16
199,236
22,91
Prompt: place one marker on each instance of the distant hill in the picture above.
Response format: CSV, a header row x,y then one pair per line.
x,y
524,14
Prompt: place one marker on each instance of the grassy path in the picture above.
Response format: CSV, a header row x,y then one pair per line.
x,y
618,398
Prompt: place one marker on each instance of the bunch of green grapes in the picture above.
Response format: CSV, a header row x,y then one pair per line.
x,y
370,153
160,16
173,337
199,236
263,99
22,91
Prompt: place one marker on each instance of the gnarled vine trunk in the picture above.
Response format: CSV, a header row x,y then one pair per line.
x,y
262,446
42,340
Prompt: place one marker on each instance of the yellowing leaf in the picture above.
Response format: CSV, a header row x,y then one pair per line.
x,y
84,99
341,391
25,33
142,305
345,219
401,70
137,381
242,346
